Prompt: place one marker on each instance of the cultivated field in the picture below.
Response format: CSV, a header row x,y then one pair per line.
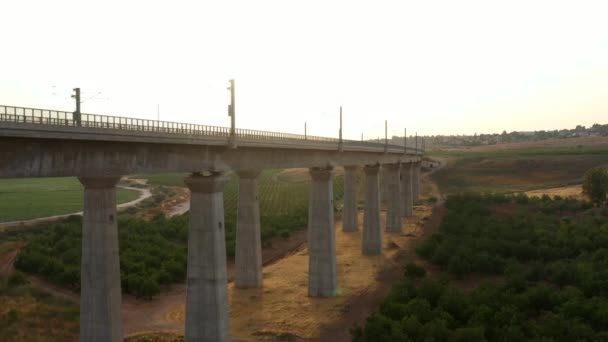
x,y
279,190
516,170
28,198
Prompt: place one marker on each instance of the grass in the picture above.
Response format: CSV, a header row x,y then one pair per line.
x,y
166,179
516,170
28,198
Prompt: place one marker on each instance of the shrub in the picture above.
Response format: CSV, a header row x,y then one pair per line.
x,y
552,252
17,279
595,185
12,316
414,271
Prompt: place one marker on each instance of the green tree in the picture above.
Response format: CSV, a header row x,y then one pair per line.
x,y
595,185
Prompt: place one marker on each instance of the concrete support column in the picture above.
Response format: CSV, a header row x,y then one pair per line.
x,y
383,184
100,293
416,181
322,281
248,253
349,213
394,219
372,233
206,294
407,189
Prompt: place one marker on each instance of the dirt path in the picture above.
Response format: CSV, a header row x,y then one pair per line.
x,y
282,309
7,260
159,314
359,308
574,191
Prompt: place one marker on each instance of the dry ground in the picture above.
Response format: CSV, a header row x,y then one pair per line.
x,y
574,191
282,310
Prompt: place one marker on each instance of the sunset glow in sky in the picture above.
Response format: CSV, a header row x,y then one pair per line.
x,y
436,67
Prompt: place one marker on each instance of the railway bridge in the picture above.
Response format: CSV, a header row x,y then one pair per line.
x,y
99,149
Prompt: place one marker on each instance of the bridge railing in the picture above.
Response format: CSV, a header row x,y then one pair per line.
x,y
62,118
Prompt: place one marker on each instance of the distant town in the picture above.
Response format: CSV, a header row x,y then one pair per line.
x,y
449,141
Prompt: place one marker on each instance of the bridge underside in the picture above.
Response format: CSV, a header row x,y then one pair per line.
x,y
23,157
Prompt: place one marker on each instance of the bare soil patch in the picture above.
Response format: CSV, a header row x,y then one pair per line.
x,y
573,191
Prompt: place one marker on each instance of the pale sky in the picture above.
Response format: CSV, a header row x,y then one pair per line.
x,y
436,67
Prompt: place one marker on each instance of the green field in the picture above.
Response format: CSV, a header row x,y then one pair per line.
x,y
277,192
516,170
28,198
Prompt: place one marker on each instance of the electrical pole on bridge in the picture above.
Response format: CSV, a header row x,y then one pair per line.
x,y
231,114
405,141
340,146
385,136
76,116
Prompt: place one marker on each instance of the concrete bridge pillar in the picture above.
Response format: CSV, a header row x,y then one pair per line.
x,y
100,292
416,181
322,281
350,219
383,184
206,294
248,253
394,220
406,189
372,233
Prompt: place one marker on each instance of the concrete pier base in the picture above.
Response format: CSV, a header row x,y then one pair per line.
x,y
100,292
372,233
350,219
207,311
322,281
394,218
248,253
406,189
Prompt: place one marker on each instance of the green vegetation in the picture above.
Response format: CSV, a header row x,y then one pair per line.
x,y
515,170
28,198
550,256
279,193
29,314
154,253
595,185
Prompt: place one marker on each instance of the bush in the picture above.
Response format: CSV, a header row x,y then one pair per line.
x,y
595,185
17,279
152,253
553,257
414,271
12,316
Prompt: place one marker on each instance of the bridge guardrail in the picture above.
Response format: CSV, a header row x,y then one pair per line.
x,y
63,118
